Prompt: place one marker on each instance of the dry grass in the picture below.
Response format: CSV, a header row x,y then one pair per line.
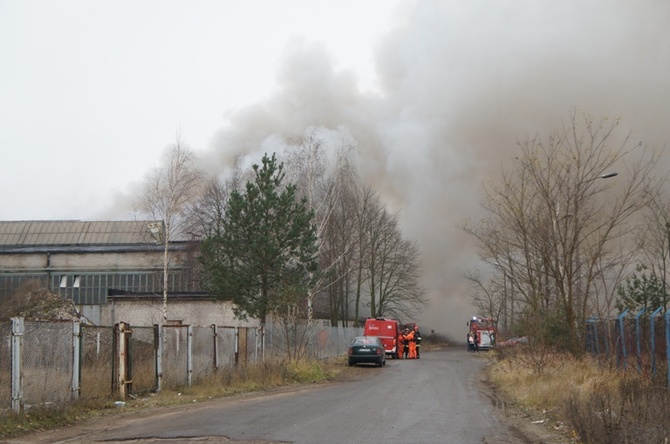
x,y
562,377
597,402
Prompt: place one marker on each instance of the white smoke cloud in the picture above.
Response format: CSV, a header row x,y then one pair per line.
x,y
460,83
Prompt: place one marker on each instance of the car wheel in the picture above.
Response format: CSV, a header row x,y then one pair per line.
x,y
351,364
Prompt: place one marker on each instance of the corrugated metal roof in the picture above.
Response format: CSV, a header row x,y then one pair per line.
x,y
74,232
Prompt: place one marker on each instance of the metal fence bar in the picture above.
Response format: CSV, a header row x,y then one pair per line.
x,y
652,318
608,337
629,332
592,336
622,339
637,340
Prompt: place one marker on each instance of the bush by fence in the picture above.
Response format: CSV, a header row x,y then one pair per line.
x,y
49,363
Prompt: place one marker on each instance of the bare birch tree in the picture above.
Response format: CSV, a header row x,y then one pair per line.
x,y
168,191
327,188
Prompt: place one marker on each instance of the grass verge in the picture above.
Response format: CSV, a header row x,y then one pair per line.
x,y
585,399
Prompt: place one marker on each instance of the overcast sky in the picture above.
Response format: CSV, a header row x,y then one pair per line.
x,y
433,93
91,92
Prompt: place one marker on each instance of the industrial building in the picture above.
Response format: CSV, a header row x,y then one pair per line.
x,y
111,270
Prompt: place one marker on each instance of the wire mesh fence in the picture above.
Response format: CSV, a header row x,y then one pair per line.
x,y
142,356
6,365
202,353
47,363
50,363
225,346
313,341
97,351
633,342
175,368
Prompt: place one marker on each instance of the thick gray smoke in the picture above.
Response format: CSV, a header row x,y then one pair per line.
x,y
461,82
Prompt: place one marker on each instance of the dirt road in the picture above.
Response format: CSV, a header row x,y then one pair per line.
x,y
439,398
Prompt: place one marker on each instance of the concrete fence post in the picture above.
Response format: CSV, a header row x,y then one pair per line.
x,y
189,355
159,346
122,375
215,341
76,359
18,329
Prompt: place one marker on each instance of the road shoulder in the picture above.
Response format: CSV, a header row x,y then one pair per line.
x,y
526,426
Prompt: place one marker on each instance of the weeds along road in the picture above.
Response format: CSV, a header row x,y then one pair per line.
x,y
435,399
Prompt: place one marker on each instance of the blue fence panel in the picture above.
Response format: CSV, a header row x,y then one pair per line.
x,y
626,333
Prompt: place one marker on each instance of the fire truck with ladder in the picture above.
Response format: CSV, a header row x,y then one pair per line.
x,y
484,330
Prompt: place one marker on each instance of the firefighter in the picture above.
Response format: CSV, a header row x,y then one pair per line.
x,y
405,343
471,342
417,339
412,344
400,345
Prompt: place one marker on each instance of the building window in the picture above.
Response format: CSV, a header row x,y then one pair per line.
x,y
63,282
77,282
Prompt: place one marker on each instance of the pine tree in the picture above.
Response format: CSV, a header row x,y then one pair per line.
x,y
265,247
641,290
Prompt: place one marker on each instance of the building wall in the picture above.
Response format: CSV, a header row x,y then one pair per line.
x,y
24,261
149,311
108,261
84,261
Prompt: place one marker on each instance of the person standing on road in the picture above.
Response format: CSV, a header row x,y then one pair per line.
x,y
417,339
405,342
471,342
400,345
412,344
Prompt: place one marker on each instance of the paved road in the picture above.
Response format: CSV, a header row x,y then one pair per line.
x,y
435,399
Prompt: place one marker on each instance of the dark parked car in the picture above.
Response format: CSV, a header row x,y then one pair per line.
x,y
367,349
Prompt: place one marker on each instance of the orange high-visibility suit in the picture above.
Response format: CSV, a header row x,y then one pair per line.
x,y
412,344
400,346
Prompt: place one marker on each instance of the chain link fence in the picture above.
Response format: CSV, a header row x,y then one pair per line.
x,y
97,348
47,365
6,366
50,363
142,356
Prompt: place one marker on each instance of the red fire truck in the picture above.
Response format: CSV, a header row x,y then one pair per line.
x,y
484,330
387,330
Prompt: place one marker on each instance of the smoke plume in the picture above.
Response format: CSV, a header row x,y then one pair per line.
x,y
460,83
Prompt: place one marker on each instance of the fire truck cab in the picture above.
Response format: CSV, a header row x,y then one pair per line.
x,y
484,330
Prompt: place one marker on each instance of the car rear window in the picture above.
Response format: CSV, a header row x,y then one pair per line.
x,y
366,341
